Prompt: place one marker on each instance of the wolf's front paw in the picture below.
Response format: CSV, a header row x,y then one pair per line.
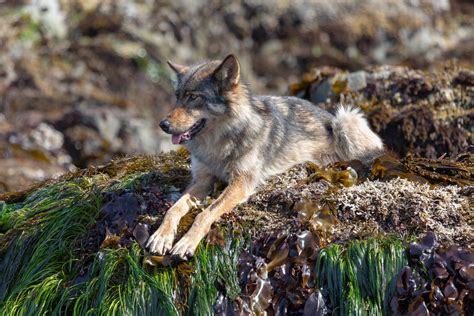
x,y
160,242
185,247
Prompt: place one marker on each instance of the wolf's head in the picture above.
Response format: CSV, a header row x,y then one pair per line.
x,y
203,96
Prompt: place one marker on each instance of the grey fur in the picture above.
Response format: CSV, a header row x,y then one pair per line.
x,y
247,138
265,135
278,132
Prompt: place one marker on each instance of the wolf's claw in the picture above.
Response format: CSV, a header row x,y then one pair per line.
x,y
160,242
185,248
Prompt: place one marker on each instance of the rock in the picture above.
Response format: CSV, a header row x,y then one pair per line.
x,y
47,137
19,173
296,246
48,13
32,154
416,130
61,55
356,80
94,134
321,92
425,113
277,41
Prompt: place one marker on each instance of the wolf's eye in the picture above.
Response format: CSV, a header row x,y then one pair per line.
x,y
193,96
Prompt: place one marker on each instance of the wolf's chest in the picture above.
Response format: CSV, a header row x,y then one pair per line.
x,y
220,161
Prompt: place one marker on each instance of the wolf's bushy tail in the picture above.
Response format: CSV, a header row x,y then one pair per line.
x,y
353,137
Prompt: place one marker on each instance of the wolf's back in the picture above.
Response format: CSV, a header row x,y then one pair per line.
x,y
353,137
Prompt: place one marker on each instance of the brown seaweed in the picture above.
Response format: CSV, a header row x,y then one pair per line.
x,y
438,281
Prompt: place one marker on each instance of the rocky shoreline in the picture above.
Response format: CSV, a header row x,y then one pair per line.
x,y
293,234
83,182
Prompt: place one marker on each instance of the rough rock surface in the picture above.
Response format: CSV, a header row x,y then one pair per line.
x,y
63,56
426,113
373,207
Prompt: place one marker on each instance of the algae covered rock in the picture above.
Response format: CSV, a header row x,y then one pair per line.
x,y
75,244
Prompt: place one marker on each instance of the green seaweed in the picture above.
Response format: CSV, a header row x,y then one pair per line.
x,y
51,220
117,284
46,269
214,265
360,278
48,266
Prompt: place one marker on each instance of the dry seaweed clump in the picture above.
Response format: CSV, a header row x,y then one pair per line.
x,y
405,207
429,114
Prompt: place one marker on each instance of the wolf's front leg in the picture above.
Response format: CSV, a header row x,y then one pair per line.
x,y
162,240
237,191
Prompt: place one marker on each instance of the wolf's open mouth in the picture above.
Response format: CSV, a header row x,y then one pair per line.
x,y
190,133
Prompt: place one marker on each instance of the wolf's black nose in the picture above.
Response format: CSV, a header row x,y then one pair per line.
x,y
165,125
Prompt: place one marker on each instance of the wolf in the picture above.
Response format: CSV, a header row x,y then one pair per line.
x,y
241,139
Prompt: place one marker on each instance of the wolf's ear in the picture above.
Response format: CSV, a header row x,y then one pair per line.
x,y
228,72
178,69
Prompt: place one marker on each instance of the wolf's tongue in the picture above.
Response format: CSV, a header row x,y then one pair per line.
x,y
179,138
176,138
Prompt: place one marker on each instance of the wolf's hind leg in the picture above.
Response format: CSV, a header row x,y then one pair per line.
x,y
236,192
162,240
